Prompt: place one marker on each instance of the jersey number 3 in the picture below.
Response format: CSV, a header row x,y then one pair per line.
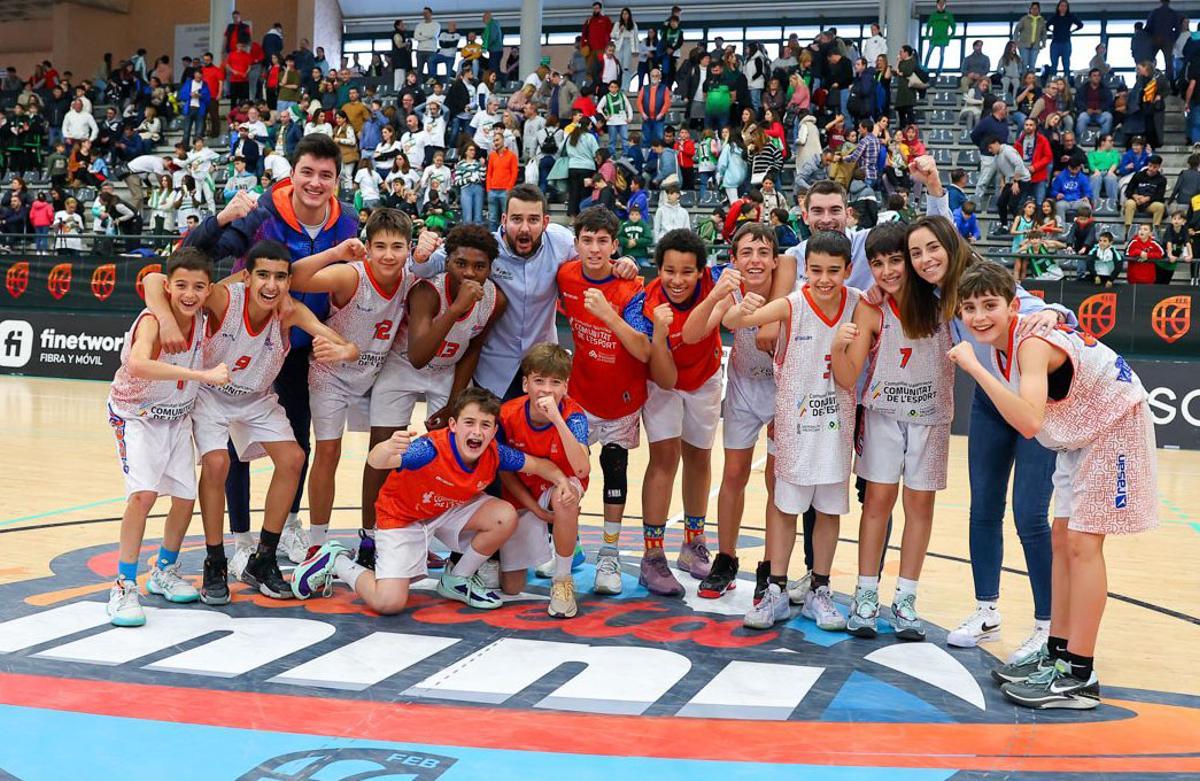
x,y
383,330
905,354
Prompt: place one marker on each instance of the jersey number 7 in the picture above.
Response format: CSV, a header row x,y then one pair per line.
x,y
905,354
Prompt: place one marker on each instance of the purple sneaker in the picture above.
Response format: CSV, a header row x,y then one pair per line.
x,y
694,558
656,575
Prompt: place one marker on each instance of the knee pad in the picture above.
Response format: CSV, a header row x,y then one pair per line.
x,y
614,461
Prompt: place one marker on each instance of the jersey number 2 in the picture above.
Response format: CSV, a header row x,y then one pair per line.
x,y
905,354
383,329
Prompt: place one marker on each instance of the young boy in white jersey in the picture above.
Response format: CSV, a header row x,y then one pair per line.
x,y
149,408
608,372
367,304
1076,396
749,403
814,424
435,488
250,314
908,401
435,354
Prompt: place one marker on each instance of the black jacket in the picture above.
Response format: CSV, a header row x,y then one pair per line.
x,y
1143,183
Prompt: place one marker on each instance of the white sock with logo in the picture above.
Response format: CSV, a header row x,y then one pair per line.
x,y
470,563
904,587
867,583
318,534
349,572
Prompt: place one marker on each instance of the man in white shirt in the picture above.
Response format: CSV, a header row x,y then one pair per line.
x,y
414,141
435,125
874,46
79,125
277,166
199,162
425,35
483,122
139,167
533,133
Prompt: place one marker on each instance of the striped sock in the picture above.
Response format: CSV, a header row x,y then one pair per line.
x,y
653,536
693,527
166,558
612,533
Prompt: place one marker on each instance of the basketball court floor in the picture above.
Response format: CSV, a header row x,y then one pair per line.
x,y
635,686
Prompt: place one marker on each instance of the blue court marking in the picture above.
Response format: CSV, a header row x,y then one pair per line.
x,y
866,698
46,745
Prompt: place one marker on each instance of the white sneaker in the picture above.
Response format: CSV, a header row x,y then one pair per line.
x,y
798,589
293,542
608,574
773,607
170,585
545,570
489,573
237,564
818,605
124,609
982,626
1031,646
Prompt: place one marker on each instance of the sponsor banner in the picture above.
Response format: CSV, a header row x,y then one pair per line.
x,y
82,282
1131,319
84,346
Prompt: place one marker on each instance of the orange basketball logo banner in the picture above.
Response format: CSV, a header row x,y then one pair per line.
x,y
17,278
59,281
1172,318
1098,314
150,268
104,281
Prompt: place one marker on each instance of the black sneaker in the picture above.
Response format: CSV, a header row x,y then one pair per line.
x,y
721,578
365,557
215,589
762,576
262,572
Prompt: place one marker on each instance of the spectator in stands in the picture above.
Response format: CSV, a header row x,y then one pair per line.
x,y
1134,159
447,50
597,33
78,125
764,155
1142,255
976,66
1061,26
617,113
213,76
1191,100
662,164
956,190
1071,190
1146,192
236,32
966,221
670,215
1146,108
1014,186
1030,35
866,153
68,225
1093,105
874,45
993,125
502,172
1163,26
1035,151
579,147
470,175
425,41
670,41
1176,246
194,97
128,146
906,94
635,238
237,65
939,29
1102,163
1187,186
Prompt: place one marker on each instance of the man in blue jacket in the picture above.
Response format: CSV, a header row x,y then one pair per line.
x,y
194,96
1070,190
304,214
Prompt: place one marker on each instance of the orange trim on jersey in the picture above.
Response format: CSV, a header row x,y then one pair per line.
x,y
831,322
246,318
891,305
213,329
133,334
781,345
376,285
1004,359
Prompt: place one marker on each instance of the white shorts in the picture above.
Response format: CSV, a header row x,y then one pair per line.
x,y
749,407
333,411
247,420
530,545
399,387
829,498
690,415
625,431
889,448
400,553
156,455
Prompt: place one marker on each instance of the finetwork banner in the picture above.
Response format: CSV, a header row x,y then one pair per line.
x,y
84,346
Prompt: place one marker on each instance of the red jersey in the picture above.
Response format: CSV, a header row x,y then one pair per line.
x,y
695,363
432,479
606,379
521,434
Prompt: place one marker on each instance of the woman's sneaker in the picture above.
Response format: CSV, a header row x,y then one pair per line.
x,y
772,608
168,584
468,590
608,573
1055,687
655,574
694,558
982,626
798,589
294,541
577,559
124,609
214,590
864,612
562,598
237,564
1022,669
762,576
721,578
818,606
315,574
905,621
1036,640
262,572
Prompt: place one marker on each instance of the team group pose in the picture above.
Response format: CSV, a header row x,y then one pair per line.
x,y
844,351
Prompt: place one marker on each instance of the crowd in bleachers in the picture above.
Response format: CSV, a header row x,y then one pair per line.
x,y
640,122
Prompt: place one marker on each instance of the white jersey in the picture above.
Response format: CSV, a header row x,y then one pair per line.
x,y
253,359
1102,390
746,361
132,397
465,328
814,416
370,319
910,379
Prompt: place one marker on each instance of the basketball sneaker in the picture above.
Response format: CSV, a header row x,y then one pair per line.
x,y
214,590
489,574
577,558
694,558
316,573
562,598
170,585
762,574
124,609
798,589
1032,643
237,564
469,590
1055,687
982,626
365,555
818,606
262,572
1022,669
772,608
721,578
294,542
655,574
905,621
864,612
608,572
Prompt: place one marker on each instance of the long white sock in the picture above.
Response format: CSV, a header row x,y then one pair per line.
x,y
318,533
904,587
470,563
867,583
244,539
345,568
562,566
